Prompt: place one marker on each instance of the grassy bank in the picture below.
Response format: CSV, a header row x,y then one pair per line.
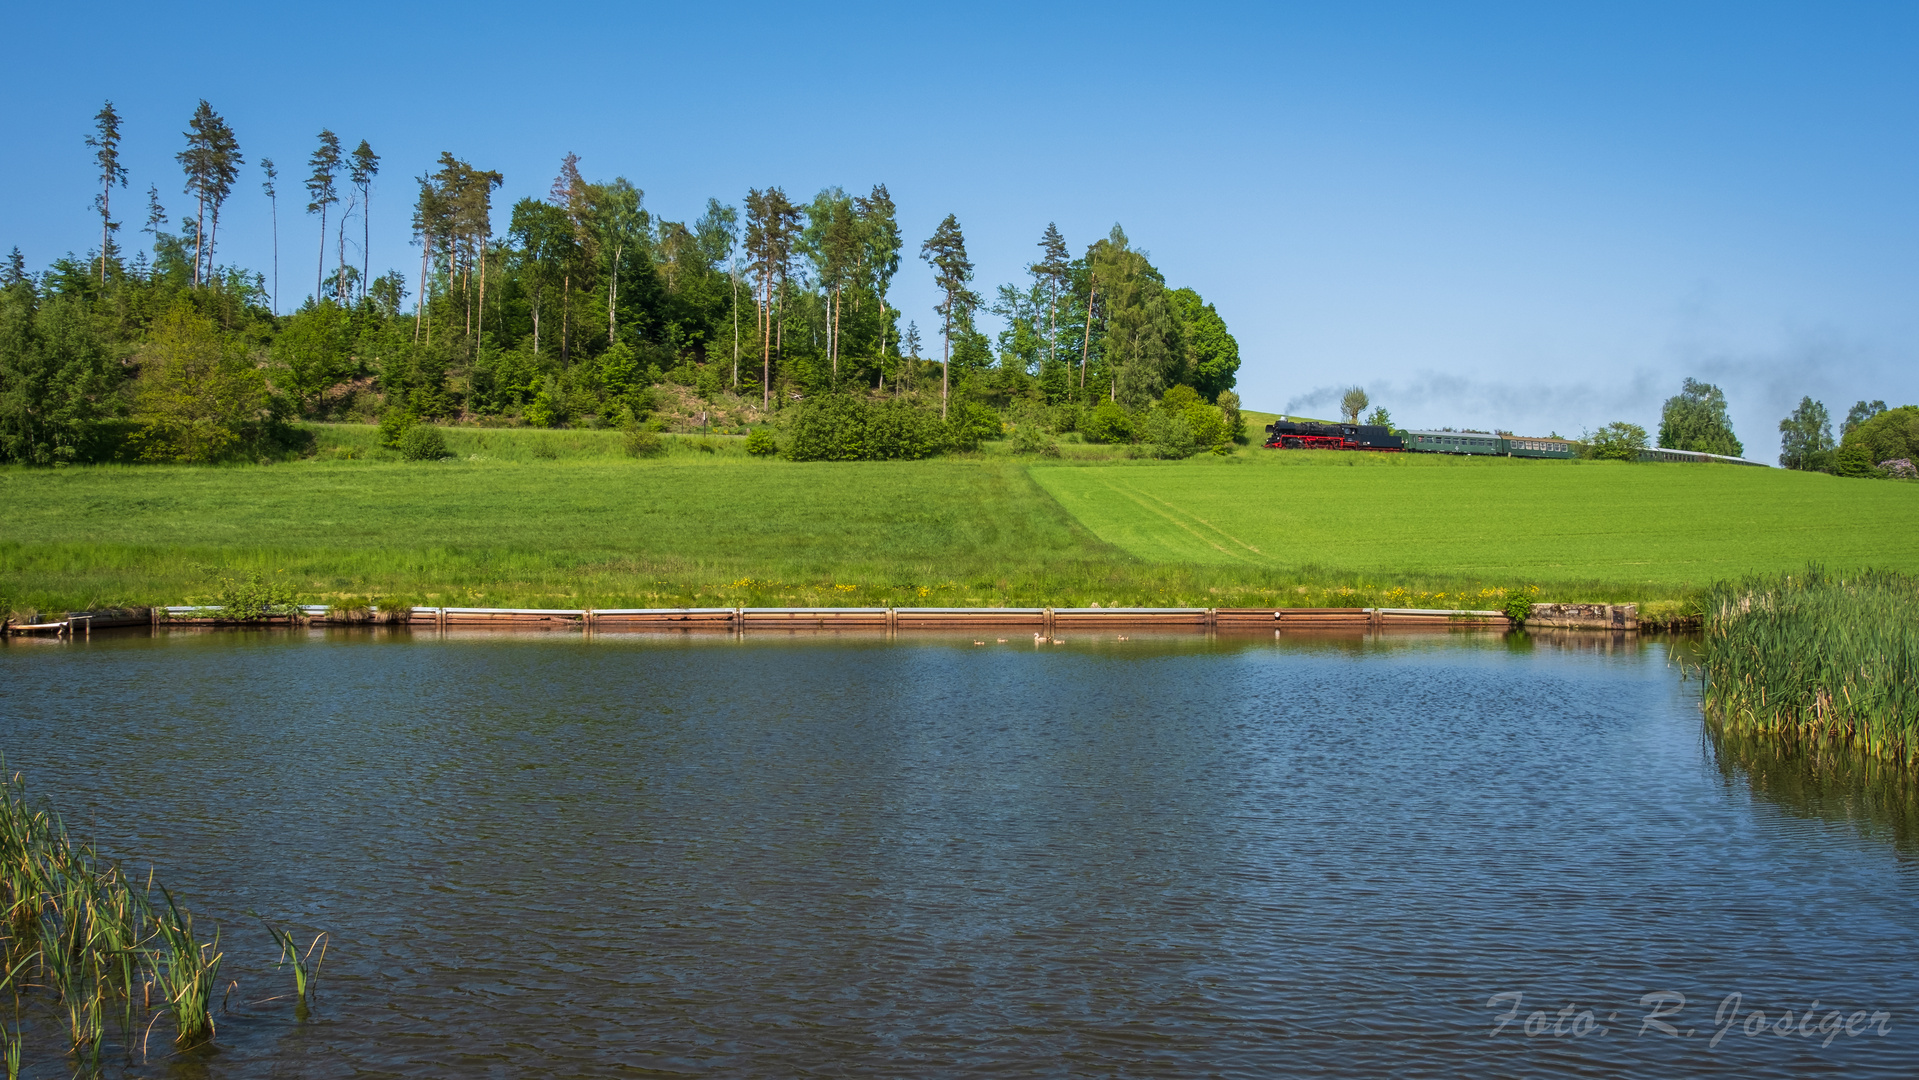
x,y
524,517
1823,660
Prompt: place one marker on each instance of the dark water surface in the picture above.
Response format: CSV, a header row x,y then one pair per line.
x,y
639,855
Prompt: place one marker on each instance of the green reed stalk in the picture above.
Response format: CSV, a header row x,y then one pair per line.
x,y
1818,658
187,972
306,967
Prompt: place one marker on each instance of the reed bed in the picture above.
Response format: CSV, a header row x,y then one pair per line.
x,y
1816,658
87,947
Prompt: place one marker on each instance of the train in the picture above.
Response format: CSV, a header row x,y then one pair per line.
x,y
1321,435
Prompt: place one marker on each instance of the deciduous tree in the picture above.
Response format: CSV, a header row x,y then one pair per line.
x,y
1696,419
1805,437
197,390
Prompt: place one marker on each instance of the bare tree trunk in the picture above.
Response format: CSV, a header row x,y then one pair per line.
x,y
482,288
200,236
466,293
566,314
946,352
613,297
838,301
766,344
366,238
419,305
1086,340
736,329
319,271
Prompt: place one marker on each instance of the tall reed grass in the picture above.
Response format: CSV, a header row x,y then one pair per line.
x,y
83,942
1823,659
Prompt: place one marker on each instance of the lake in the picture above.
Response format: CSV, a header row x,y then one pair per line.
x,y
633,854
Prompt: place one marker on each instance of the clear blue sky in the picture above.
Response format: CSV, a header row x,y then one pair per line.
x,y
1541,217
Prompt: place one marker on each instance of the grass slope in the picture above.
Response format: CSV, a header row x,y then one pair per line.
x,y
539,518
1639,528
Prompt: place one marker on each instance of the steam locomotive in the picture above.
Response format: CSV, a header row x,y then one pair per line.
x,y
1313,435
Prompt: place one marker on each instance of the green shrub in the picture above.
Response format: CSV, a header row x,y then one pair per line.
x,y
1166,435
1107,423
643,440
1236,423
760,443
423,442
393,425
1519,606
969,423
841,427
1029,438
1209,426
1066,417
255,598
1854,459
1179,397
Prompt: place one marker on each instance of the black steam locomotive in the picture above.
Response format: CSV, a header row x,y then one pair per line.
x,y
1313,435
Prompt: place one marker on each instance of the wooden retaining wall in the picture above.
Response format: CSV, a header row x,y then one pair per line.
x,y
1045,621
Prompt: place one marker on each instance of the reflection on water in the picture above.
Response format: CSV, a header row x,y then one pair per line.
x,y
1879,799
847,855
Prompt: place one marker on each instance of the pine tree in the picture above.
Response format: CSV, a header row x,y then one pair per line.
x,y
106,146
323,193
772,221
1051,270
366,165
223,161
945,252
197,162
273,202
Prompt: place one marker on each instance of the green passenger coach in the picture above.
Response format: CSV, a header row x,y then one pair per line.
x,y
1526,446
1454,442
1482,443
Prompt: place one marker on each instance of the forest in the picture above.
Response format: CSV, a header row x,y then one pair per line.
x,y
580,308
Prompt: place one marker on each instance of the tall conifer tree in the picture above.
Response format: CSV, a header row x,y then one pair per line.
x,y
366,165
945,252
106,154
273,203
323,193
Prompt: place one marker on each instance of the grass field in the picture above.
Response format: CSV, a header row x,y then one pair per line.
x,y
541,518
1649,529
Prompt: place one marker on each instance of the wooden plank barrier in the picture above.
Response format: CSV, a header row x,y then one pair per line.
x,y
1615,617
1128,618
813,618
927,618
683,618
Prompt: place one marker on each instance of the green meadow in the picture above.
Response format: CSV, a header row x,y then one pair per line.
x,y
564,518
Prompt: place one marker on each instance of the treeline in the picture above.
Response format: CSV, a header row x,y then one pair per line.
x,y
559,310
1874,441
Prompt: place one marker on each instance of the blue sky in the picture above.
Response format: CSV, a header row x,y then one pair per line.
x,y
1540,217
